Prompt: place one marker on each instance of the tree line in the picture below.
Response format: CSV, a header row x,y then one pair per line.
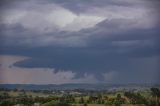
x,y
71,100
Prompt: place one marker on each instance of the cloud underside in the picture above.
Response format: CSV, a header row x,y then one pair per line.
x,y
11,74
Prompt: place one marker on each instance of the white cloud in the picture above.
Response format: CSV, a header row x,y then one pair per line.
x,y
49,18
15,75
84,21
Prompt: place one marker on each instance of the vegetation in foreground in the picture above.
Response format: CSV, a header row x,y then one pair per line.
x,y
79,97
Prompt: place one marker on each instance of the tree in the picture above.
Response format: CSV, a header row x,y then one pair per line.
x,y
81,100
156,94
6,103
118,100
135,98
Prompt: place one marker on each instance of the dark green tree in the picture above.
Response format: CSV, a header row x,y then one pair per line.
x,y
118,100
156,95
81,100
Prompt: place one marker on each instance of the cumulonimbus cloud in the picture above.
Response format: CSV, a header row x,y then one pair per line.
x,y
81,36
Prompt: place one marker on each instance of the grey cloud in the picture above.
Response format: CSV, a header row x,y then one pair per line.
x,y
120,46
82,5
36,35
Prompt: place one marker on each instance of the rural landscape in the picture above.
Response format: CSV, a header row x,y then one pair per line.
x,y
79,52
25,95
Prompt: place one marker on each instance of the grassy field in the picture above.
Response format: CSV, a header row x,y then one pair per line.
x,y
33,94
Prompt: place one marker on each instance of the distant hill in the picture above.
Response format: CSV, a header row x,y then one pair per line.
x,y
77,86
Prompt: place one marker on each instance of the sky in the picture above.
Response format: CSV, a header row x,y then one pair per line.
x,y
79,41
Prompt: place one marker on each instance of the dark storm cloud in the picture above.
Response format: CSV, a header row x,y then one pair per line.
x,y
99,57
123,44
